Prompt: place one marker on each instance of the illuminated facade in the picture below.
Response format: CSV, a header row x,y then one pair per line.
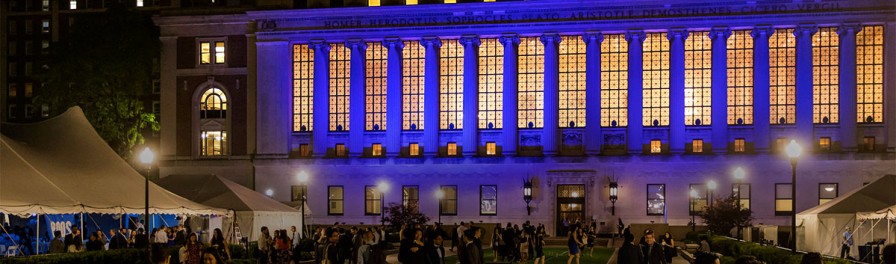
x,y
471,99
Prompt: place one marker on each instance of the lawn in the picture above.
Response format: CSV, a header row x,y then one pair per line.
x,y
554,255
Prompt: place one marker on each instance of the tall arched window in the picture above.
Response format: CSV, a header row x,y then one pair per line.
x,y
213,123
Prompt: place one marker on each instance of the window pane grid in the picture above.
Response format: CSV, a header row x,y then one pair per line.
x,y
697,204
572,82
530,100
451,85
302,88
782,76
826,76
410,196
870,74
449,202
488,199
335,200
656,199
491,84
740,78
412,82
698,79
656,80
340,75
375,91
371,200
614,81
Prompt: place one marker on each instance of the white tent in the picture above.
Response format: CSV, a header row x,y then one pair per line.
x,y
62,166
824,224
252,210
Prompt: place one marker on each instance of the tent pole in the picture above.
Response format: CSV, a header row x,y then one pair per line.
x,y
82,228
37,252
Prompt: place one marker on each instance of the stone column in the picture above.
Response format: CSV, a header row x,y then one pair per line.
x,y
321,100
357,90
890,86
593,135
471,92
549,138
509,132
431,96
635,131
761,86
847,32
804,123
393,96
274,98
676,37
719,37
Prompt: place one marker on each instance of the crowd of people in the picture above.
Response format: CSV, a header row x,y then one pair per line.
x,y
515,244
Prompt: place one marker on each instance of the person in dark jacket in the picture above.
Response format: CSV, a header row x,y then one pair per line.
x,y
95,244
140,239
473,251
411,249
117,240
629,253
435,252
327,252
57,245
653,252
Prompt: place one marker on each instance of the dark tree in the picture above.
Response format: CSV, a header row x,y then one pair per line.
x,y
105,66
397,215
724,215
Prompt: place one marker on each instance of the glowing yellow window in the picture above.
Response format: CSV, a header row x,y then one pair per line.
x,y
376,150
205,52
452,149
414,149
739,145
340,150
656,146
491,149
219,52
697,146
824,143
373,3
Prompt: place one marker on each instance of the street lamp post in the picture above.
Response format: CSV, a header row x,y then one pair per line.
x,y
527,195
711,186
146,157
793,152
383,187
739,178
440,194
693,220
614,196
303,182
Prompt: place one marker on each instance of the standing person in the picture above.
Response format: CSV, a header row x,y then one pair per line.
x,y
574,243
140,239
653,252
116,240
539,244
435,252
180,236
524,246
565,227
846,244
57,245
413,247
264,246
192,251
669,247
455,239
473,252
327,251
94,244
219,245
160,244
74,242
629,253
361,249
497,242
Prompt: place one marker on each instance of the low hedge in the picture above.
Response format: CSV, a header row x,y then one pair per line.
x,y
135,256
733,249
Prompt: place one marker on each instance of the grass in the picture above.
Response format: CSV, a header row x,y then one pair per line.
x,y
555,255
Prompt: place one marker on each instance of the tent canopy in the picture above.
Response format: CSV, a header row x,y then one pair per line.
x,y
875,196
252,210
62,166
886,213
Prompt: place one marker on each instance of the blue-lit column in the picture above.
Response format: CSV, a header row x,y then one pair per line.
x,y
321,96
761,86
847,32
676,37
592,91
393,96
471,92
551,93
804,122
509,131
719,37
274,102
635,40
357,96
431,96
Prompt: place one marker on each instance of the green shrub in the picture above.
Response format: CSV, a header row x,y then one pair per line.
x,y
135,256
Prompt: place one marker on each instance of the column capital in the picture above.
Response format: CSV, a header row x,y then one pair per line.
x,y
805,29
849,28
636,34
431,41
469,40
551,38
592,36
319,45
393,42
510,39
716,32
681,33
762,31
356,44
